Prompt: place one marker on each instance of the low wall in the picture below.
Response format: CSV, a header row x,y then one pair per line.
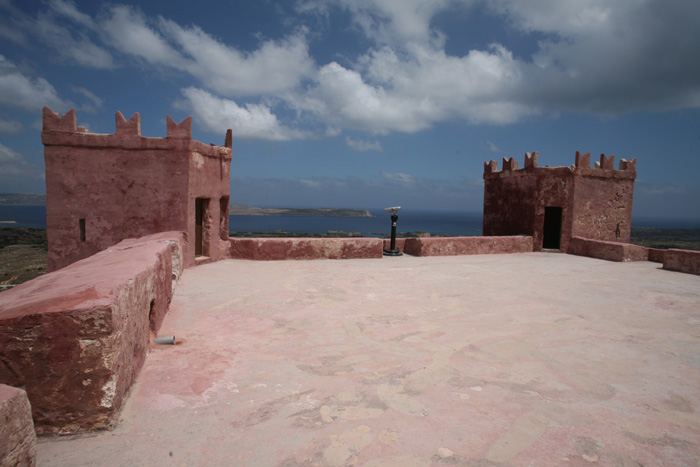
x,y
682,261
656,255
611,251
17,437
305,248
76,338
450,246
399,245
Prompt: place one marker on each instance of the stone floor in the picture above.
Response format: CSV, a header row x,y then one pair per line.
x,y
527,359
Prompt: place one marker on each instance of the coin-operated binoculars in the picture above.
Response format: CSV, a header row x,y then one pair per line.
x,y
392,251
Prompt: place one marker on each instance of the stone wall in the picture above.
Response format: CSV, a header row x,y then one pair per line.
x,y
76,338
17,437
682,261
611,251
104,188
451,246
596,202
305,248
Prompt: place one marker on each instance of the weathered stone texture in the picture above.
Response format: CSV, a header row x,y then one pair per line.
x,y
656,255
305,248
76,338
611,251
450,246
102,189
399,244
682,260
596,202
17,437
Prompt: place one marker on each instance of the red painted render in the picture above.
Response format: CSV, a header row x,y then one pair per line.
x,y
596,202
102,189
611,251
687,261
17,437
450,246
305,248
76,338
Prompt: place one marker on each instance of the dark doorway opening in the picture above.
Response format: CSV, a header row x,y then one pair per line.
x,y
552,228
200,207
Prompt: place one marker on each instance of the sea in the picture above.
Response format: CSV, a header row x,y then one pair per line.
x,y
448,223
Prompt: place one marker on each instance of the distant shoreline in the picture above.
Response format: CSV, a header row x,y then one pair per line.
x,y
244,210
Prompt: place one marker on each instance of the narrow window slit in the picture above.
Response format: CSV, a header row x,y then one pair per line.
x,y
81,223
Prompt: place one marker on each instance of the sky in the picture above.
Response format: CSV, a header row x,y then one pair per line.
x,y
368,103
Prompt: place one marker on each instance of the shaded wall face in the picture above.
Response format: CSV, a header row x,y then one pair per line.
x,y
603,208
554,189
209,181
509,205
97,197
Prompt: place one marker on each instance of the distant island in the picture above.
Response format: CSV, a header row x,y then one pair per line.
x,y
22,199
244,210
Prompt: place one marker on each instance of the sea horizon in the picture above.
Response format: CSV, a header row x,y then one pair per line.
x,y
436,222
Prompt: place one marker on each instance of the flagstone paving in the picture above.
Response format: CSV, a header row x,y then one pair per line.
x,y
525,359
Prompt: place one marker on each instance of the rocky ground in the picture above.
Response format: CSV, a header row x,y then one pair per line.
x,y
20,263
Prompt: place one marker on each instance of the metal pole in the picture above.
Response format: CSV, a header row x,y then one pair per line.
x,y
392,251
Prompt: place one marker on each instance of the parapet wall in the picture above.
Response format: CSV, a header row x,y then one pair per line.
x,y
687,261
611,251
451,246
17,437
305,248
76,338
582,166
63,131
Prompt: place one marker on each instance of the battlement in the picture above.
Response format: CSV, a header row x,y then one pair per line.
x,y
63,131
582,166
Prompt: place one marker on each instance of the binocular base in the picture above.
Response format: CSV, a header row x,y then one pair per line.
x,y
392,253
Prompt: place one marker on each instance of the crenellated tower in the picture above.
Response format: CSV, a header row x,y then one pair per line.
x,y
553,204
103,188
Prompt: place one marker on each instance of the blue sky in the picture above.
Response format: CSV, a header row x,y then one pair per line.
x,y
369,103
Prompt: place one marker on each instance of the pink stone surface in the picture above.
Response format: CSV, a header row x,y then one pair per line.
x,y
17,437
399,244
125,185
596,202
533,359
305,248
450,246
656,255
682,261
76,338
611,251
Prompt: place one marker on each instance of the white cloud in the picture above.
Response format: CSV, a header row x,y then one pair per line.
x,y
67,9
10,126
362,145
598,56
388,21
251,121
494,148
96,101
69,43
18,90
128,32
13,164
398,177
275,66
594,56
310,183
